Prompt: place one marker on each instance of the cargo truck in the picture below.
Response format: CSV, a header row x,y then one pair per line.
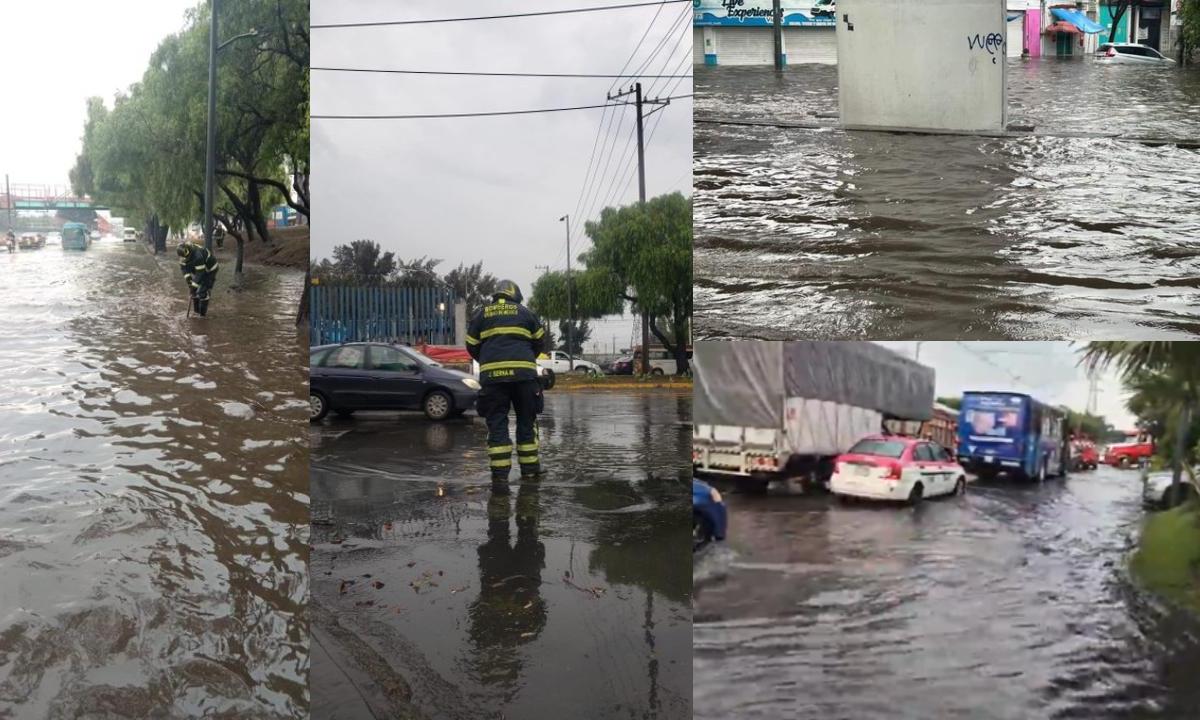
x,y
767,411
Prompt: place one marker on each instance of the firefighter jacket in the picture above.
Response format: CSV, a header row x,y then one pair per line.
x,y
505,338
199,267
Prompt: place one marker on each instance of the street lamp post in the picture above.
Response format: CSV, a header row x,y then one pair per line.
x,y
210,156
570,306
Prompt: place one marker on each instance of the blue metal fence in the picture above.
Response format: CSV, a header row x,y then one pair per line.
x,y
348,313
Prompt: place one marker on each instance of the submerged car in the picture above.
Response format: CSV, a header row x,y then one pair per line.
x,y
1130,53
709,517
350,377
892,467
1156,490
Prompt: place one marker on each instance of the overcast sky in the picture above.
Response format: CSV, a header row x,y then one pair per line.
x,y
1046,370
58,54
490,189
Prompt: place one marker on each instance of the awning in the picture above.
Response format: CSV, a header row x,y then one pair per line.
x,y
1062,27
1078,19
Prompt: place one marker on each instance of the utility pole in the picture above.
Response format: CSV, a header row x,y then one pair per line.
x,y
570,306
210,156
639,101
8,200
777,22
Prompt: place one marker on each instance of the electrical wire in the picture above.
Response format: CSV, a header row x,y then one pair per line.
x,y
494,74
567,11
462,115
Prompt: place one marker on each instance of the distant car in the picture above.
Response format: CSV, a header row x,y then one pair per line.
x,y
1128,454
621,366
559,362
1156,490
1130,53
893,467
709,517
824,9
382,376
130,235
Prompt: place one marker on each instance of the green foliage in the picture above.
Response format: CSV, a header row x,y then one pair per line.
x,y
472,285
954,402
1190,17
640,254
145,156
581,332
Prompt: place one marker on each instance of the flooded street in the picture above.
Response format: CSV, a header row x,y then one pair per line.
x,y
1010,602
569,598
828,234
153,491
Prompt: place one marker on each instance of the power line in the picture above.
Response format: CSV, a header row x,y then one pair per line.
x,y
460,115
496,17
496,74
477,114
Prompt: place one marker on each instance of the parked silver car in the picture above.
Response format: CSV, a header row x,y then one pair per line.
x,y
1130,53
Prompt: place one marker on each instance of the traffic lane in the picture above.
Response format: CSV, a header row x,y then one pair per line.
x,y
570,593
153,472
1011,601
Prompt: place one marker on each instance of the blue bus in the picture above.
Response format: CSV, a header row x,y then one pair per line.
x,y
1013,433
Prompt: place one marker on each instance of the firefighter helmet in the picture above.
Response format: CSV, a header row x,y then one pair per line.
x,y
508,289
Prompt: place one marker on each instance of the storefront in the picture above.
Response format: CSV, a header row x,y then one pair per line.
x,y
740,32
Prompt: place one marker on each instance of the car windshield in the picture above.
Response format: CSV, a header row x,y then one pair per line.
x,y
880,448
421,358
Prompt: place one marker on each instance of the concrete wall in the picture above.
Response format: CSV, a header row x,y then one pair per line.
x,y
922,64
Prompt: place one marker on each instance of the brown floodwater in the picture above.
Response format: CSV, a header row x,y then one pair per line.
x,y
831,234
153,491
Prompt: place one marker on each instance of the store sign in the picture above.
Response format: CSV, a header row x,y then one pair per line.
x,y
751,13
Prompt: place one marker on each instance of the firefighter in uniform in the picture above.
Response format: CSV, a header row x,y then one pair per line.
x,y
505,338
199,268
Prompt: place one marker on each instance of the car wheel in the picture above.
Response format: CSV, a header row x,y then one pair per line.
x,y
960,487
656,371
318,406
916,495
702,531
548,380
438,405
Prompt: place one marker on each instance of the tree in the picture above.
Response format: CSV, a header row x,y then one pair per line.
x,y
580,333
362,261
422,271
641,254
953,402
471,285
1190,36
1165,377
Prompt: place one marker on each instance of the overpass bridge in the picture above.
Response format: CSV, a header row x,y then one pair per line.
x,y
24,196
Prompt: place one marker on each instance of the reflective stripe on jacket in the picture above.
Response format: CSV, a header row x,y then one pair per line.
x,y
198,266
505,338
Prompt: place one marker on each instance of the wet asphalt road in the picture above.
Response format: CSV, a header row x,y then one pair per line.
x,y
434,599
830,234
1010,602
153,491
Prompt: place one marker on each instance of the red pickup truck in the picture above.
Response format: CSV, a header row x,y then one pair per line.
x,y
1128,454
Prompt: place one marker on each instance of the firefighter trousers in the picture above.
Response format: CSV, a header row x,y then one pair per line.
x,y
524,398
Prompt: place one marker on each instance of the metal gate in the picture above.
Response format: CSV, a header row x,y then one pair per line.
x,y
414,315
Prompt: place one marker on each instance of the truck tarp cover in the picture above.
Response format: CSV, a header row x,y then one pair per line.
x,y
746,383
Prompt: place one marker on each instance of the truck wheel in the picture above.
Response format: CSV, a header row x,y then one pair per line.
x,y
1123,463
757,485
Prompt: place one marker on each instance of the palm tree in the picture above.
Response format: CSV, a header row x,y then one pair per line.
x,y
1165,378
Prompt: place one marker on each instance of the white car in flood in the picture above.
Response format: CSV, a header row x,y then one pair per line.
x,y
1130,54
893,467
